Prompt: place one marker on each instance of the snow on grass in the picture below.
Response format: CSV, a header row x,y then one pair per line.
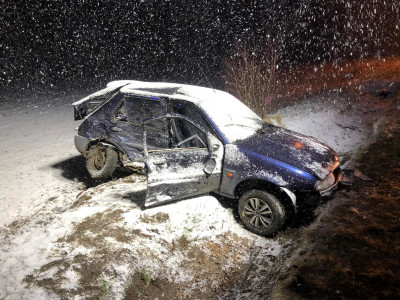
x,y
196,222
51,251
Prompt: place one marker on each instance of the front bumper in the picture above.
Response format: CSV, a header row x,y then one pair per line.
x,y
333,188
344,178
313,199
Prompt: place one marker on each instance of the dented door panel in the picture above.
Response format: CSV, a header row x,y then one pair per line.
x,y
183,171
175,174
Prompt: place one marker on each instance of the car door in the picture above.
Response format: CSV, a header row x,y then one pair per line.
x,y
189,164
126,126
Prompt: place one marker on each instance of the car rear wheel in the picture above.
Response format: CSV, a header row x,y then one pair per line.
x,y
101,161
261,212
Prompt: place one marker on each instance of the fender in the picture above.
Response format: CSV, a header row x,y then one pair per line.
x,y
292,196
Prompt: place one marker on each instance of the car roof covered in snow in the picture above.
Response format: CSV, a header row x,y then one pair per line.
x,y
191,93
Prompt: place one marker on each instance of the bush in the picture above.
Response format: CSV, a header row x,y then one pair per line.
x,y
249,74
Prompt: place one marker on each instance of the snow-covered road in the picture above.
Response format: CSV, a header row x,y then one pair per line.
x,y
36,143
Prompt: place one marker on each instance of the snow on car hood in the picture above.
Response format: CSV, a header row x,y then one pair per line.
x,y
300,151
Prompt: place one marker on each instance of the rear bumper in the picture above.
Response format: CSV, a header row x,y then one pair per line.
x,y
81,144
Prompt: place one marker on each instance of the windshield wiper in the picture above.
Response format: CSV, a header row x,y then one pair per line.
x,y
263,129
241,125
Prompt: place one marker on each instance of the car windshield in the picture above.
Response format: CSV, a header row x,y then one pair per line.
x,y
233,119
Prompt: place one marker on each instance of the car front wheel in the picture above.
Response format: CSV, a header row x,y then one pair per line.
x,y
261,212
101,161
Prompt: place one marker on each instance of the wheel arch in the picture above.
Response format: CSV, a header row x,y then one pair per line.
x,y
270,187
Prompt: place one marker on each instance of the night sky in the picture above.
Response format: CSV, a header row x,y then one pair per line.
x,y
61,43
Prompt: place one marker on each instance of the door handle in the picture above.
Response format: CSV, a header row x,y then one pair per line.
x,y
159,162
116,129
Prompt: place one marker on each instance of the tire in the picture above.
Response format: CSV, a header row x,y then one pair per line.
x,y
101,161
261,212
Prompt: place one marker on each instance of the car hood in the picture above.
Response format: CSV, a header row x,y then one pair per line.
x,y
303,152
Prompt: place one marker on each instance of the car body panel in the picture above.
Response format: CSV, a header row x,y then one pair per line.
x,y
126,136
179,173
278,144
250,165
81,144
91,103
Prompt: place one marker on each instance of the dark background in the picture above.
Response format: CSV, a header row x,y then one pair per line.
x,y
59,43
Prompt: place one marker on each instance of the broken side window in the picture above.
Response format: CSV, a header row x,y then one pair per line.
x,y
139,109
179,134
120,114
189,110
187,135
157,135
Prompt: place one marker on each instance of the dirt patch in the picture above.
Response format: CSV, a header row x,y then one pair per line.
x,y
95,229
14,227
81,200
351,251
100,235
206,261
158,218
144,286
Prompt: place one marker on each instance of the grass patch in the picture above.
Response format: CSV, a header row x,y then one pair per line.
x,y
105,289
146,277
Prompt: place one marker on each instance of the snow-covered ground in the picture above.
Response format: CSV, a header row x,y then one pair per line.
x,y
63,236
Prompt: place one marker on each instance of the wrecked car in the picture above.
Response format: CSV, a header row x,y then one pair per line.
x,y
192,140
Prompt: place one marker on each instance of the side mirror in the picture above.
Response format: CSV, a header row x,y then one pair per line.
x,y
213,142
210,166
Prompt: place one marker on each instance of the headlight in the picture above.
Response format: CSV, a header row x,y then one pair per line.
x,y
326,183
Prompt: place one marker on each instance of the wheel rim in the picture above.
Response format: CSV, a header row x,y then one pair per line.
x,y
258,213
99,158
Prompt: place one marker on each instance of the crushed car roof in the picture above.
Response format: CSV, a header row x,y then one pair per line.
x,y
183,91
191,93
